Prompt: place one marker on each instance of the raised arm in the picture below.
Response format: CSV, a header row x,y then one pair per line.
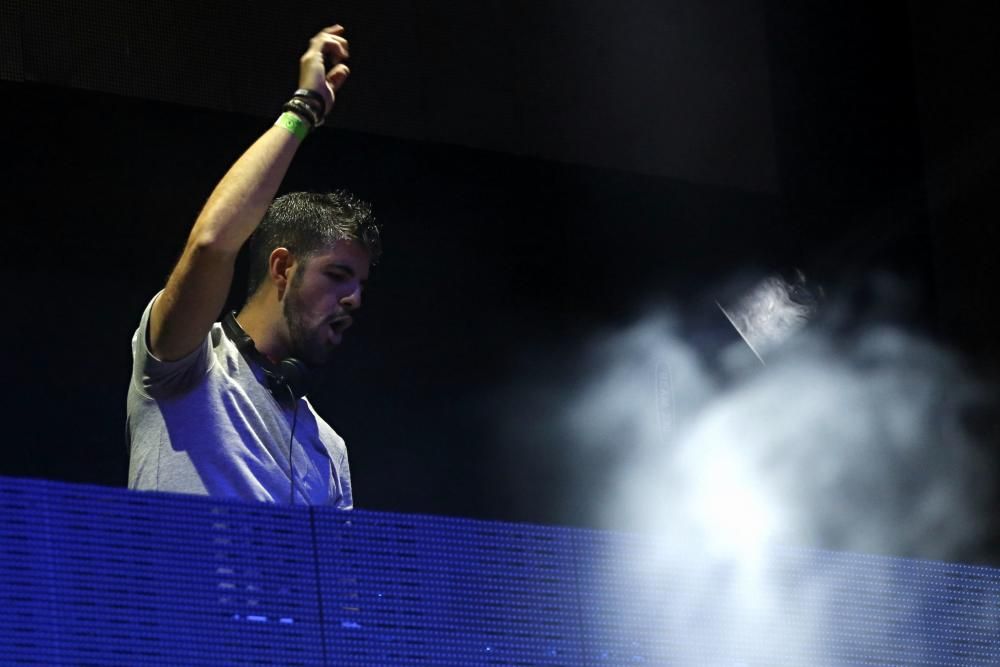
x,y
199,284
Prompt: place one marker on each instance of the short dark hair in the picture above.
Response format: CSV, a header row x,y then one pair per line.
x,y
307,222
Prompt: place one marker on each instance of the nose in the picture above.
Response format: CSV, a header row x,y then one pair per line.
x,y
352,300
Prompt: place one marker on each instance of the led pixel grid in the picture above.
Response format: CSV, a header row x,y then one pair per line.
x,y
101,576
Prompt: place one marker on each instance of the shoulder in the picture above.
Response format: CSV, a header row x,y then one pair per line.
x,y
157,378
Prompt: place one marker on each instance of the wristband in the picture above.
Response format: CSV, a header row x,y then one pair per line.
x,y
293,124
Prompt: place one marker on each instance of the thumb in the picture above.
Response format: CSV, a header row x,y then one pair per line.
x,y
336,76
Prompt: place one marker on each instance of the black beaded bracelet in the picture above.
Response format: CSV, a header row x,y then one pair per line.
x,y
314,96
311,105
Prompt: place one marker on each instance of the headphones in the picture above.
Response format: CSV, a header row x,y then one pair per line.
x,y
287,379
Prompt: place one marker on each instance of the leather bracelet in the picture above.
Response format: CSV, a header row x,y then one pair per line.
x,y
313,95
312,106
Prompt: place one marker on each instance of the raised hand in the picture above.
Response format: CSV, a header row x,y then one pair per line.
x,y
313,74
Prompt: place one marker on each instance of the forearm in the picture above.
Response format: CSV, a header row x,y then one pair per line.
x,y
198,286
241,198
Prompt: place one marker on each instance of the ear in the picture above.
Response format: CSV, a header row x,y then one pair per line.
x,y
280,266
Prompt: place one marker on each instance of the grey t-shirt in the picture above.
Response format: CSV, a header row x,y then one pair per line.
x,y
206,424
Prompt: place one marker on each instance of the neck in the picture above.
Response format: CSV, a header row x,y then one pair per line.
x,y
262,321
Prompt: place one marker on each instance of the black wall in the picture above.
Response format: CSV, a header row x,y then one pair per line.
x,y
489,254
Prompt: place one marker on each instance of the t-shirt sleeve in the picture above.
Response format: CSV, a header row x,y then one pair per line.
x,y
156,378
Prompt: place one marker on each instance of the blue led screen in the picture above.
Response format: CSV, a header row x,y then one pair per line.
x,y
97,576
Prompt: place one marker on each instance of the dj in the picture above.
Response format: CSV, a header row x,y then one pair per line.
x,y
218,408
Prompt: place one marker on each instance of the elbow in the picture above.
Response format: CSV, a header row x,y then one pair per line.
x,y
207,242
217,231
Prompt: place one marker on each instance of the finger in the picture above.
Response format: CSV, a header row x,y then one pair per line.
x,y
333,32
339,44
332,45
336,76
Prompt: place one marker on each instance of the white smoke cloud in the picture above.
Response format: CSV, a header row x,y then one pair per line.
x,y
851,441
853,444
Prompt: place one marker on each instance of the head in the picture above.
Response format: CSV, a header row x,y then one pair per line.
x,y
313,252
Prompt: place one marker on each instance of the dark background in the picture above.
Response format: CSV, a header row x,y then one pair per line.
x,y
543,170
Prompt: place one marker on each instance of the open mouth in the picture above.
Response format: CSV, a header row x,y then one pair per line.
x,y
340,324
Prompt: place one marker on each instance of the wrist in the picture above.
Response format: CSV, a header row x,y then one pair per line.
x,y
303,113
317,102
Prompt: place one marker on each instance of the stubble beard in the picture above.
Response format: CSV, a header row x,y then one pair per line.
x,y
302,342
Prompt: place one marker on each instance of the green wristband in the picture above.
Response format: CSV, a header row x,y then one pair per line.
x,y
293,124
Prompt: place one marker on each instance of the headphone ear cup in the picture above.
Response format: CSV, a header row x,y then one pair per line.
x,y
294,375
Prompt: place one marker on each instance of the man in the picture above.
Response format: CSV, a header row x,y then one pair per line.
x,y
216,408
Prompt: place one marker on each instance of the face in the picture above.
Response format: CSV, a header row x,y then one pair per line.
x,y
322,293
